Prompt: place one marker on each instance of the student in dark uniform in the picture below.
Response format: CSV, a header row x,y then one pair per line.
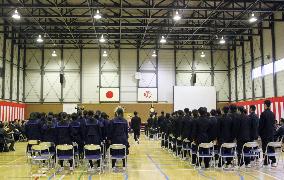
x,y
266,129
77,133
235,116
243,136
136,125
213,125
254,121
118,133
280,131
187,128
92,134
201,132
224,135
48,130
166,125
160,120
194,146
63,132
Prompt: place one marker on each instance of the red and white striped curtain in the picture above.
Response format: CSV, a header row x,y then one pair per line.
x,y
277,106
10,111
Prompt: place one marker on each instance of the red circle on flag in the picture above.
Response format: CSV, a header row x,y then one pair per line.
x,y
109,94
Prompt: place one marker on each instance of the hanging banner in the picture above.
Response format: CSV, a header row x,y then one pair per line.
x,y
10,111
147,95
109,94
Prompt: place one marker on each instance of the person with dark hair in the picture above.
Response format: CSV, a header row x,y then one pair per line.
x,y
5,138
92,134
266,130
280,131
150,125
136,125
33,127
166,129
243,136
224,134
213,124
235,120
118,134
63,132
160,120
201,133
186,129
254,121
48,130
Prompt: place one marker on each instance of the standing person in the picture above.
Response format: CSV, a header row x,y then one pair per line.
x,y
194,146
201,133
254,122
266,130
235,116
186,129
136,125
160,120
63,133
118,134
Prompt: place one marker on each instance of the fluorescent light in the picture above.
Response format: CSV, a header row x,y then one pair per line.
x,y
154,54
16,15
222,40
98,15
54,54
163,40
252,18
202,54
102,39
104,54
177,17
39,39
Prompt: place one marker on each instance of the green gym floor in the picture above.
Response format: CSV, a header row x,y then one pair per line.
x,y
146,161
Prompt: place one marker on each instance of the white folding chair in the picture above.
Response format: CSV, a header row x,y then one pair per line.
x,y
67,148
93,153
186,147
178,146
117,157
208,147
277,148
253,151
40,153
30,144
228,150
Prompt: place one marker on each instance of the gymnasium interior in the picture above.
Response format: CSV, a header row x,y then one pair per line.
x,y
144,56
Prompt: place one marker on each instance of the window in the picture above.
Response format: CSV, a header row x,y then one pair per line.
x,y
268,69
256,72
279,65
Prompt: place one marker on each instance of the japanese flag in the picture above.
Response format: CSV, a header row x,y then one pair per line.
x,y
147,94
109,94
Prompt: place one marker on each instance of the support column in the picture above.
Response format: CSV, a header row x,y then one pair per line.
x,y
119,73
236,72
4,63
262,58
193,65
42,75
175,64
272,25
212,65
252,65
243,69
100,73
18,73
12,66
81,74
229,74
24,71
61,74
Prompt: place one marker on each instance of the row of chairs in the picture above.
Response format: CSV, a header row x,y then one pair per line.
x,y
250,150
48,153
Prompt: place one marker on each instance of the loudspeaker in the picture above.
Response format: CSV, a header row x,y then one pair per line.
x,y
1,72
193,78
61,78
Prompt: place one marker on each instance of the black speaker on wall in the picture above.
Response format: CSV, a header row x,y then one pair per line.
x,y
193,78
61,78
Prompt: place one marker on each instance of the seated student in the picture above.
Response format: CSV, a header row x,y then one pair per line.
x,y
76,133
92,134
118,133
280,131
63,133
33,128
48,130
5,139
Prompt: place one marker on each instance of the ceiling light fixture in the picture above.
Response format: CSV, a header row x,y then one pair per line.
x,y
163,40
202,54
39,39
98,15
222,40
54,54
154,54
104,54
16,15
252,18
102,39
177,17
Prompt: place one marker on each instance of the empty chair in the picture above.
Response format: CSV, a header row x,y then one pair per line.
x,y
117,152
93,153
40,153
65,152
228,151
273,149
206,153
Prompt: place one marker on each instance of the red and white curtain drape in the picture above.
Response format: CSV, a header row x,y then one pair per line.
x,y
9,111
277,106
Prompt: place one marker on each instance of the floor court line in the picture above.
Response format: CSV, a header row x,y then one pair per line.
x,y
157,166
267,174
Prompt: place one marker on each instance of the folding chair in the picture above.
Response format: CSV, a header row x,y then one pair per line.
x,y
76,153
185,147
253,150
178,145
93,153
51,150
228,150
117,156
30,144
193,151
68,156
40,153
171,142
277,148
209,147
163,140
